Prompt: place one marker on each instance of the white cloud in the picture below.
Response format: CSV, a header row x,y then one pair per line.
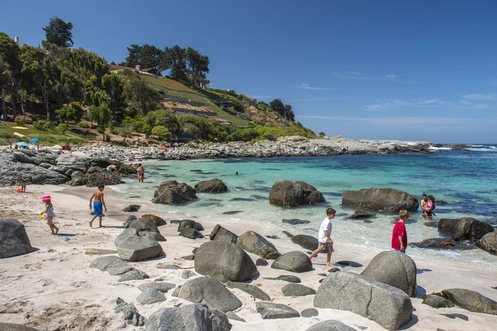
x,y
389,121
392,76
306,86
479,96
352,75
405,103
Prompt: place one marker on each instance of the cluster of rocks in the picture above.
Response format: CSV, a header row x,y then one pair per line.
x,y
382,292
284,146
45,167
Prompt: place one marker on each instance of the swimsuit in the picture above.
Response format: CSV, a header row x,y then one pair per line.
x,y
50,211
109,170
97,208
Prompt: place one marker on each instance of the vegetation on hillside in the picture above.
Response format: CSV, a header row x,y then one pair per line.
x,y
56,90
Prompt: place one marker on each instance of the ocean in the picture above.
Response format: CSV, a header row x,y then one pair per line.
x,y
464,182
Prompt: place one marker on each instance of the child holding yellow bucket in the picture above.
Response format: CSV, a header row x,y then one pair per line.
x,y
47,200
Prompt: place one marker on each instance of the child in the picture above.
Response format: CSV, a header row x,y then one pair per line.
x,y
98,195
324,237
49,213
22,184
399,233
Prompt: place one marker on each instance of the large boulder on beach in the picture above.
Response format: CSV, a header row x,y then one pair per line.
x,y
146,227
222,234
330,325
293,193
209,291
194,317
173,193
131,246
385,199
306,241
76,163
294,261
471,300
388,306
211,186
96,176
14,240
466,228
254,243
224,261
488,242
395,269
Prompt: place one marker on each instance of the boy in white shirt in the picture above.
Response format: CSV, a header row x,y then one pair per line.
x,y
324,236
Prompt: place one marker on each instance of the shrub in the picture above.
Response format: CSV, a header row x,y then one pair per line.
x,y
48,125
83,125
237,105
61,128
19,121
38,125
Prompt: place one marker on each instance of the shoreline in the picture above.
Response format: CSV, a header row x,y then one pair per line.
x,y
54,287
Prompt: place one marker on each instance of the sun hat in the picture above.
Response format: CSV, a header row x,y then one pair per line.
x,y
46,197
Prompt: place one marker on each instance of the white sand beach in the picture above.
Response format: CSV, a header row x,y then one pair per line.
x,y
53,288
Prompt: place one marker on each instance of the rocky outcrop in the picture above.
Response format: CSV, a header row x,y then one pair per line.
x,y
471,300
195,317
395,269
386,305
256,244
465,228
131,246
293,193
173,193
130,313
190,224
224,261
375,199
488,242
211,186
295,261
209,291
14,240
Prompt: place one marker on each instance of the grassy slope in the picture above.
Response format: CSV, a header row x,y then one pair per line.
x,y
176,89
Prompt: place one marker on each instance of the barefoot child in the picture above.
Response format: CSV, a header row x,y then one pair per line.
x,y
98,197
49,213
324,237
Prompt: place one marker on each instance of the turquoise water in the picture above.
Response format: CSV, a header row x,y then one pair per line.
x,y
466,182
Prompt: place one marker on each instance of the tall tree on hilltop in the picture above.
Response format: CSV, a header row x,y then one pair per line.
x,y
175,59
284,110
10,71
198,65
59,32
145,56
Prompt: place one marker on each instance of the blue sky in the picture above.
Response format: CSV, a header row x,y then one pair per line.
x,y
409,70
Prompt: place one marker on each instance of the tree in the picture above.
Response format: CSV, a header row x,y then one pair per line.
x,y
198,65
59,32
140,97
145,56
10,71
72,112
175,59
284,110
161,132
100,114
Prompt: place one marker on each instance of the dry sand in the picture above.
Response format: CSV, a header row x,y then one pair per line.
x,y
53,288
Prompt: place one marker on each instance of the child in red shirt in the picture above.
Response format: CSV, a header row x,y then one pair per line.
x,y
399,233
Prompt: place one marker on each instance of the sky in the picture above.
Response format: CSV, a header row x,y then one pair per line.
x,y
421,70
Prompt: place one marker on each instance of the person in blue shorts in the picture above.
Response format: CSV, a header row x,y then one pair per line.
x,y
98,203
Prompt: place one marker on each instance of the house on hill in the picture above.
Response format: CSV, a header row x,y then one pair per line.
x,y
117,68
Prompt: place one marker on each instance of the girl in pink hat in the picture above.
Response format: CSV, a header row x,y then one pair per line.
x,y
47,200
